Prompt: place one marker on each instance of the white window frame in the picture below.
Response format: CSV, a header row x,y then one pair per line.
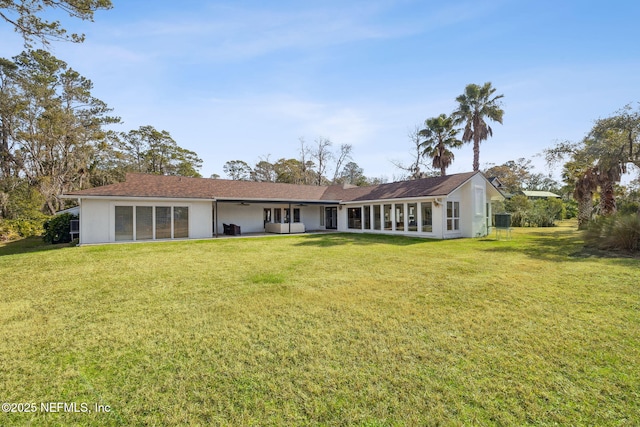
x,y
455,219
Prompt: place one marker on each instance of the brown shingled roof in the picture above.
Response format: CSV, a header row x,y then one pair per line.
x,y
142,185
433,186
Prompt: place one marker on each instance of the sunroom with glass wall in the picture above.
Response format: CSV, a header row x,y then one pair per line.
x,y
402,217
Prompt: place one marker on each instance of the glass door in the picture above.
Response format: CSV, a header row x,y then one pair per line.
x,y
331,216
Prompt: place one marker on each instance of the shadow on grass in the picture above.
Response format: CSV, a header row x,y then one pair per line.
x,y
340,239
30,244
558,245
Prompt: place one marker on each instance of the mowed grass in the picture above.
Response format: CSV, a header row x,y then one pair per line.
x,y
332,329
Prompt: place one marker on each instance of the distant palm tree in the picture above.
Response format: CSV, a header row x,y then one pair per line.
x,y
440,136
476,104
585,181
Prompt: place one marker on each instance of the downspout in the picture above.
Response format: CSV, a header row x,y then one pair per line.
x,y
80,221
443,217
215,217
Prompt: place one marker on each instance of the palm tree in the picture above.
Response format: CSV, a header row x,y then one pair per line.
x,y
585,180
476,104
440,135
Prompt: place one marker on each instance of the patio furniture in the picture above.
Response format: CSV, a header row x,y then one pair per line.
x,y
283,228
231,229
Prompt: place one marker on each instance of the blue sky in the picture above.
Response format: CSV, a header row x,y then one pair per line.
x,y
246,79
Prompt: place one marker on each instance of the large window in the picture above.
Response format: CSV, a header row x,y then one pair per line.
x,y
277,215
399,217
163,222
376,217
180,222
354,216
412,216
427,217
124,223
296,215
367,217
144,222
388,225
479,201
139,222
453,216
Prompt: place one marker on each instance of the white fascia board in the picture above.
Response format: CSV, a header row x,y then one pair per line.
x,y
138,199
465,182
490,187
281,200
404,199
199,199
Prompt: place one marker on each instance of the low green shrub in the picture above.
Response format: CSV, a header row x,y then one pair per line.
x,y
57,229
629,207
534,213
12,229
544,213
7,233
570,209
620,232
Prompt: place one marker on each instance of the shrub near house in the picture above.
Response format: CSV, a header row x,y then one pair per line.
x,y
58,229
534,213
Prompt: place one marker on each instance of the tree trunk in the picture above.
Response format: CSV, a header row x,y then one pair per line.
x,y
607,199
476,154
585,207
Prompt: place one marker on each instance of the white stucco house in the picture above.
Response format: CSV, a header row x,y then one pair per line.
x,y
155,207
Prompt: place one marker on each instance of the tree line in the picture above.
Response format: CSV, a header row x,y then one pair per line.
x,y
317,163
55,138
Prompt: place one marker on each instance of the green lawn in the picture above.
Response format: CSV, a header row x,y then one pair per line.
x,y
332,329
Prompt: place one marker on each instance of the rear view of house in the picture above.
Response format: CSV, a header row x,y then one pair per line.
x,y
155,207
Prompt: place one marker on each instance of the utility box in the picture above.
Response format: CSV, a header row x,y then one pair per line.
x,y
503,220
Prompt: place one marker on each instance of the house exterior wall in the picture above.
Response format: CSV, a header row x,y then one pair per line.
x,y
313,217
94,221
97,217
201,226
473,200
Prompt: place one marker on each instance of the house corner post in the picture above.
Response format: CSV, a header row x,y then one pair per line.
x,y
215,218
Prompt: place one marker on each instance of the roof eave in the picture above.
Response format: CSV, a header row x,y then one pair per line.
x,y
429,196
146,198
201,199
275,200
